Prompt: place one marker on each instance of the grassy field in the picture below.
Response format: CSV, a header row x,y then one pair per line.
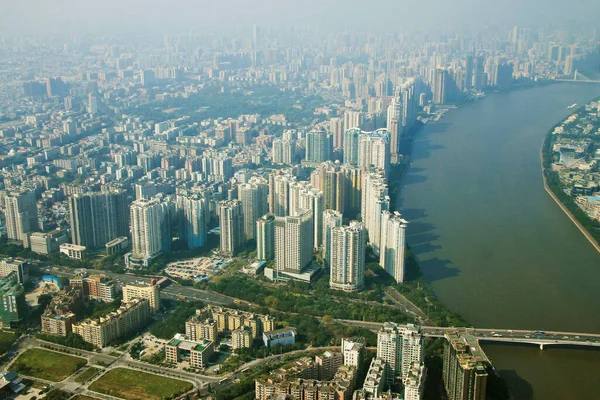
x,y
87,375
47,365
135,385
6,340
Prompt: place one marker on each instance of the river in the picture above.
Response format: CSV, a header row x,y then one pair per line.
x,y
492,243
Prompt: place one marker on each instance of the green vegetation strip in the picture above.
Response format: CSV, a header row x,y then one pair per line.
x,y
87,375
47,365
6,340
135,385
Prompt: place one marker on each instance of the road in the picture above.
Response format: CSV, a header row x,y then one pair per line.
x,y
172,291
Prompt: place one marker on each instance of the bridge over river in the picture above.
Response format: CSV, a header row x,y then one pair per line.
x,y
509,336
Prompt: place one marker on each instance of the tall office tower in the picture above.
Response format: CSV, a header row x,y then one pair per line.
x,y
231,218
375,200
279,192
293,242
319,145
374,150
265,237
330,179
464,369
347,266
352,187
440,86
336,126
469,69
479,73
331,219
92,104
351,145
193,216
393,244
408,97
150,230
312,199
98,218
394,115
283,151
256,37
21,214
253,196
353,119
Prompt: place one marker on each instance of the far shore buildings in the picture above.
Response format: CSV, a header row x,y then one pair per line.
x,y
95,287
149,292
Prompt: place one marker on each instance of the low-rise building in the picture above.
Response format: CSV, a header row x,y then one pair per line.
x,y
101,331
353,351
201,329
149,292
241,338
283,336
228,320
12,307
73,251
196,352
58,317
16,265
117,245
95,287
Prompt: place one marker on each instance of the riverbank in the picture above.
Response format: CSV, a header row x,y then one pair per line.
x,y
556,190
587,235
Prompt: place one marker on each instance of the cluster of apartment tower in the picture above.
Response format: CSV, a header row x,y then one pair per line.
x,y
396,373
288,218
208,325
139,302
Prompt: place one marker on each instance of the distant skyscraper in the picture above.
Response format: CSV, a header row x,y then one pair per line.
x,y
253,196
312,199
232,226
347,266
336,126
293,242
351,145
193,214
150,230
374,150
98,218
92,104
265,237
375,199
393,244
440,86
330,179
21,215
318,146
279,192
283,151
331,219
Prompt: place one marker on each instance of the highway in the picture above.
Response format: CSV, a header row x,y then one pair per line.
x,y
172,291
549,338
518,336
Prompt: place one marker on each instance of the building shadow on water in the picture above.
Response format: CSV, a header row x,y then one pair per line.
x,y
520,388
436,269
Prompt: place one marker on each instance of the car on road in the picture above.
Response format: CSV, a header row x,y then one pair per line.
x,y
565,338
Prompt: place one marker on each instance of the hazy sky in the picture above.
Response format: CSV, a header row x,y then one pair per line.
x,y
36,16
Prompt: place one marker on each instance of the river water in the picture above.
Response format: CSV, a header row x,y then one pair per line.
x,y
495,246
